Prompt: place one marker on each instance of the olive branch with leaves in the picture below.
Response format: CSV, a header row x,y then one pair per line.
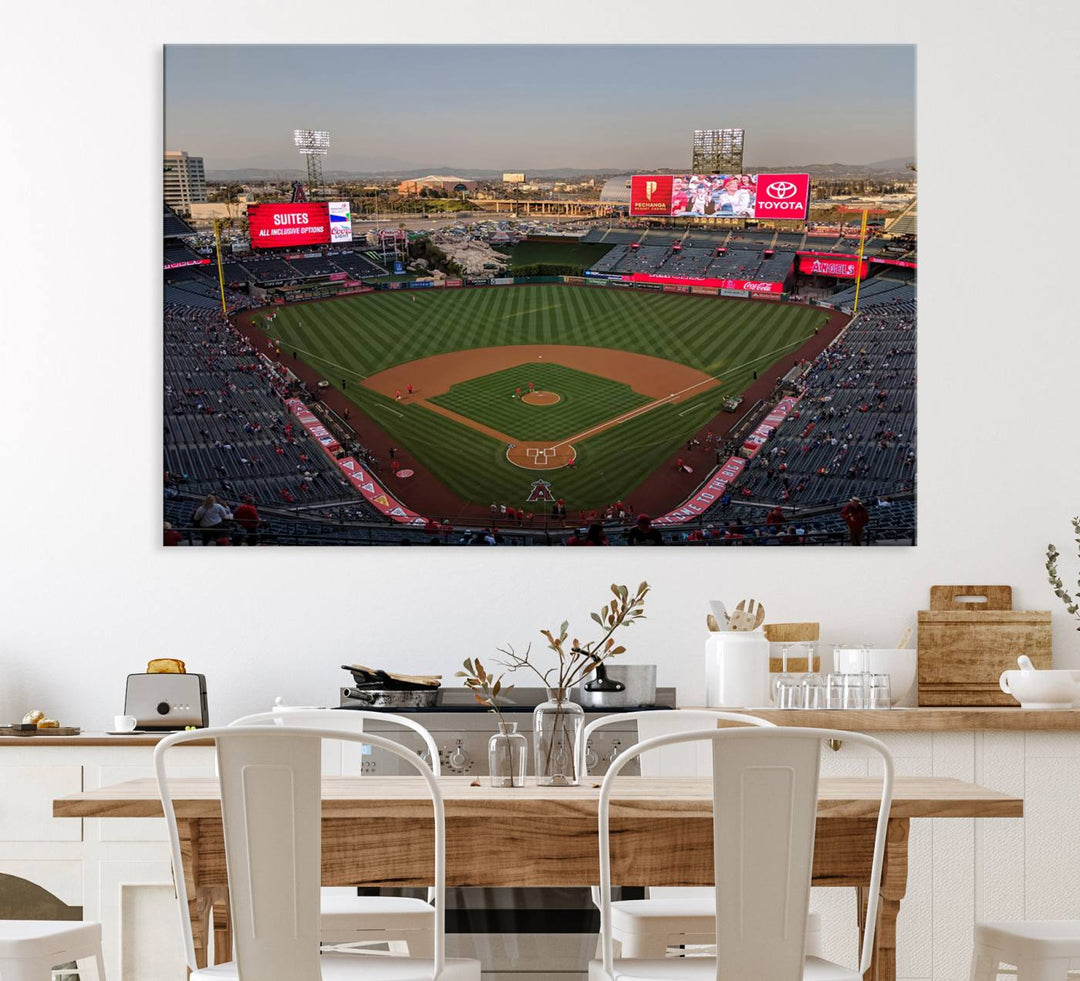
x,y
486,688
1071,600
579,660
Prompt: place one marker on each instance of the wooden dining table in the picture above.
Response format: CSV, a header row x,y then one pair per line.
x,y
377,832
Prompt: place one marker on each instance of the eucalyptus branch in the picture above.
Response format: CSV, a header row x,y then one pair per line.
x,y
1069,600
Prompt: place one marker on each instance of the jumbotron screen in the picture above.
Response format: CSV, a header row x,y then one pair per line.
x,y
720,196
276,226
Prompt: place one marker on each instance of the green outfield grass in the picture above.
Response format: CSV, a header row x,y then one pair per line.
x,y
349,338
586,400
557,254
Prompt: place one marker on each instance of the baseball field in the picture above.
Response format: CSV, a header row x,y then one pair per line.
x,y
592,389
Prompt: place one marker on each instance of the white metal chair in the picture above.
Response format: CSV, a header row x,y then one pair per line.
x,y
765,790
30,949
346,917
1041,950
271,810
673,916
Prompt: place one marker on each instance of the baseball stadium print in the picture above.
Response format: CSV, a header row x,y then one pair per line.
x,y
363,346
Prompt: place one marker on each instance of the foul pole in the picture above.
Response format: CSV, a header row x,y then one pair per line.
x,y
858,261
221,274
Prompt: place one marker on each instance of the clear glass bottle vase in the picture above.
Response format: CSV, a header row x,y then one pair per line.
x,y
508,756
557,725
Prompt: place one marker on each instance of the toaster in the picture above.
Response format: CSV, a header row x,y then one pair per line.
x,y
165,702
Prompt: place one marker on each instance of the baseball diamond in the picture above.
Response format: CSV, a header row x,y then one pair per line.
x,y
598,387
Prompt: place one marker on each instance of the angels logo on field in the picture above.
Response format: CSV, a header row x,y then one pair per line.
x,y
541,491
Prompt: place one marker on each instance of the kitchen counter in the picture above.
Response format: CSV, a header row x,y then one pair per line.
x,y
88,739
923,719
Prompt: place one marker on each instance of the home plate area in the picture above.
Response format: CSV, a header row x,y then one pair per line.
x,y
540,456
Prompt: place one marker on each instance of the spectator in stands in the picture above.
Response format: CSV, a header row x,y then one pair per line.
x,y
210,517
247,517
856,517
643,533
172,536
594,536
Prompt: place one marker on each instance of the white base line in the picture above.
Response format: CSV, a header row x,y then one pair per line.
x,y
387,408
674,395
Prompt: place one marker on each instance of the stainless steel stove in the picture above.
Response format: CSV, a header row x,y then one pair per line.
x,y
527,934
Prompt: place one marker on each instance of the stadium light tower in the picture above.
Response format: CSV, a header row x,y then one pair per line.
x,y
717,151
314,144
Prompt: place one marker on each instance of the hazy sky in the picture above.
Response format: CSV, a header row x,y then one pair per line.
x,y
505,107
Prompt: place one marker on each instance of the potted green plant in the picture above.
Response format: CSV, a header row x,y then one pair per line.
x,y
557,723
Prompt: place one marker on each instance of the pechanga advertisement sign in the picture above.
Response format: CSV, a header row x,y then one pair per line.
x,y
298,226
784,196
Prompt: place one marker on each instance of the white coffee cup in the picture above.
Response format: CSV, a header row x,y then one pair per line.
x,y
124,723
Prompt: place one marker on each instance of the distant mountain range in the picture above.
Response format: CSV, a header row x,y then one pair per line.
x,y
897,165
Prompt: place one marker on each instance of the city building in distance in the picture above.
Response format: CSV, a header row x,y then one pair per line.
x,y
185,180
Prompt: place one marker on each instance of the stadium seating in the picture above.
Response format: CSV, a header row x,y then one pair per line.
x,y
226,429
357,266
853,432
175,226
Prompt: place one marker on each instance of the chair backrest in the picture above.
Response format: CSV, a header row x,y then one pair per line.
x,y
347,720
271,809
764,790
679,761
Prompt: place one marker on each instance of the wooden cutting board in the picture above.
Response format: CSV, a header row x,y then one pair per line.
x,y
964,646
793,633
60,731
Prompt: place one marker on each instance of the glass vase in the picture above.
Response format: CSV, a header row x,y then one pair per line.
x,y
557,725
508,755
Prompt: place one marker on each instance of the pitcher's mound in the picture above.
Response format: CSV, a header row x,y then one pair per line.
x,y
540,456
541,398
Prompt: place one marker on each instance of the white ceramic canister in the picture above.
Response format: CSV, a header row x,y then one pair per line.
x,y
737,669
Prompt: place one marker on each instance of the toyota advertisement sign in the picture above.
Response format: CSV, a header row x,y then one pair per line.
x,y
784,196
276,226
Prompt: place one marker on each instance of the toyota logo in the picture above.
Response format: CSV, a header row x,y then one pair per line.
x,y
781,190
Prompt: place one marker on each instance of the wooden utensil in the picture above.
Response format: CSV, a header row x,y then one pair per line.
x,y
904,638
712,624
747,617
720,614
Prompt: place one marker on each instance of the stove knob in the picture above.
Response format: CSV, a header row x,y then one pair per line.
x,y
458,758
614,752
163,708
591,757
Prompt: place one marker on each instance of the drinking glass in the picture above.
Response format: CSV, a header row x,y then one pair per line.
x,y
813,691
853,691
834,690
879,694
788,692
785,676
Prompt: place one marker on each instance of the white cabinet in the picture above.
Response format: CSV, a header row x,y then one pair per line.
x,y
26,804
961,870
117,870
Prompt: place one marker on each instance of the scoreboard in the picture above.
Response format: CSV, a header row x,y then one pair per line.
x,y
276,226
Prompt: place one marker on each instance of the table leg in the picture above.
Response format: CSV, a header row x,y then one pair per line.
x,y
222,921
208,905
893,889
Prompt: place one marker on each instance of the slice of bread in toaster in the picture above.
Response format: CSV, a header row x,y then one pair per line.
x,y
166,665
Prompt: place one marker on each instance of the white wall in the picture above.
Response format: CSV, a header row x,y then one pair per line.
x,y
88,596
